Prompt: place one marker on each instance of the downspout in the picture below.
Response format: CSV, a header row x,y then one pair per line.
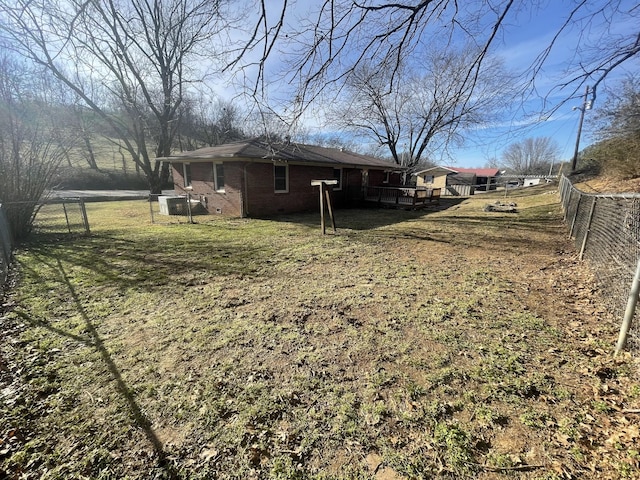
x,y
346,191
244,195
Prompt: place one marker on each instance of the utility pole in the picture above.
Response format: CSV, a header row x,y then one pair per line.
x,y
586,105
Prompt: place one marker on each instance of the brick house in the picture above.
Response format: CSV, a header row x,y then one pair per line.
x,y
256,178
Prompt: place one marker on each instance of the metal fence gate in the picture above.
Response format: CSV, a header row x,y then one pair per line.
x,y
62,216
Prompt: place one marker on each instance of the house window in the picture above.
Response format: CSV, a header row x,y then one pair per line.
x,y
281,178
387,175
218,177
186,174
428,179
337,175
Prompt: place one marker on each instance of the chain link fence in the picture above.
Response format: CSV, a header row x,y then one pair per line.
x,y
169,209
62,216
5,247
606,229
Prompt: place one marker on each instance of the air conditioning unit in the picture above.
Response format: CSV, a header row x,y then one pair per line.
x,y
172,205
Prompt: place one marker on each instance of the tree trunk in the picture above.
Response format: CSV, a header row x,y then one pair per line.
x,y
91,159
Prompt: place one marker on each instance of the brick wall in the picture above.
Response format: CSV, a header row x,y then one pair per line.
x,y
260,199
301,197
225,203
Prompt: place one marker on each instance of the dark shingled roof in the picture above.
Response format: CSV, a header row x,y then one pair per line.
x,y
480,172
285,152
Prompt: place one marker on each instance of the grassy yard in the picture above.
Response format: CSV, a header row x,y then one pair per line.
x,y
444,343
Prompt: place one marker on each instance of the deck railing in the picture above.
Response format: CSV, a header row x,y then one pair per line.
x,y
401,196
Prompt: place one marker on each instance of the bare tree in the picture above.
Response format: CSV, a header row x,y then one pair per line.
x,y
606,36
531,156
142,52
620,116
330,140
33,143
492,162
618,130
429,106
208,123
342,36
266,124
82,120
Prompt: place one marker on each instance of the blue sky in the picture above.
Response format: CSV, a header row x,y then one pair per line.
x,y
525,35
523,40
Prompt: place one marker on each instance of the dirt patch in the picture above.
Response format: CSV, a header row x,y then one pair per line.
x,y
609,185
452,343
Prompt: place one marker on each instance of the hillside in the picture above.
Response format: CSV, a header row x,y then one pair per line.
x,y
610,185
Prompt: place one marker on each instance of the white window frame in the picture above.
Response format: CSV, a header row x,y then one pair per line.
x,y
429,179
216,182
339,185
286,167
387,176
187,177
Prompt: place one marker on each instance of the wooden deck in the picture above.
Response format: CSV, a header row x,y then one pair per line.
x,y
401,197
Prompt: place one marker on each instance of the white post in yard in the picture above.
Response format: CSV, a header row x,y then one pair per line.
x,y
630,311
189,208
322,223
325,196
151,209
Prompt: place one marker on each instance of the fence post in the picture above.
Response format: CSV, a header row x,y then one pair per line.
x,y
66,216
630,310
5,233
189,208
567,203
561,189
567,200
563,194
85,219
575,215
322,223
151,209
5,245
586,233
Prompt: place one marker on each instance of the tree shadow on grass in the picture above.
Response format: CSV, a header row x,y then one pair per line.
x,y
93,340
538,228
537,219
367,218
144,264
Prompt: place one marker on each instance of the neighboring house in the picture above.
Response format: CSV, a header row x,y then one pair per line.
x,y
458,181
530,182
524,180
257,178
